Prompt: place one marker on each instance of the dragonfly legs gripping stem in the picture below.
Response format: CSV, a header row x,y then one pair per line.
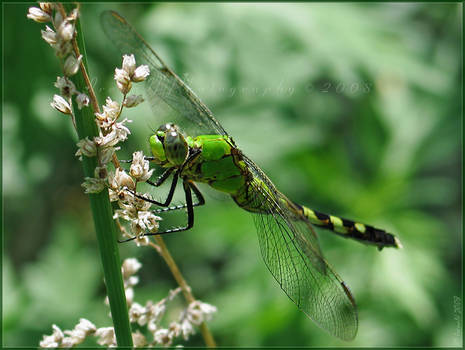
x,y
188,186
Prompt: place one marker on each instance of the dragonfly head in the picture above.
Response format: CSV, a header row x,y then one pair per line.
x,y
169,146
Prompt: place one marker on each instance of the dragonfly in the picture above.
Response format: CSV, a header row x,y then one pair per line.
x,y
203,152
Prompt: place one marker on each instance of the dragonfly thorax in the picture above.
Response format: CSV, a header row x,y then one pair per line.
x,y
168,145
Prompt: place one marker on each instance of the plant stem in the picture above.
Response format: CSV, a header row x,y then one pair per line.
x,y
100,205
186,290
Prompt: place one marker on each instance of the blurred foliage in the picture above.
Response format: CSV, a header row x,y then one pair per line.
x,y
352,109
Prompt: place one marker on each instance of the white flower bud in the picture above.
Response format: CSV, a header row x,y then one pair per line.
x,y
86,326
187,329
123,81
73,15
87,148
61,105
93,185
124,180
140,168
129,293
49,35
197,312
175,329
129,64
66,30
58,19
141,73
133,100
63,48
111,109
130,267
72,65
139,339
54,340
46,7
142,241
136,312
66,86
162,336
106,336
106,154
101,172
38,15
82,100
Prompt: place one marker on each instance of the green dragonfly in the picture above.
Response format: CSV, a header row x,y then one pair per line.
x,y
288,242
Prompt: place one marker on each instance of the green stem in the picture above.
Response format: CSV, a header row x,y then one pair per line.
x,y
101,208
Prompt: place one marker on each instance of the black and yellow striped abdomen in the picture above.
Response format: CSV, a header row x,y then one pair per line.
x,y
351,229
246,198
222,166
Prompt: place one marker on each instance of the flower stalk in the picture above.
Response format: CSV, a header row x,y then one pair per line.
x,y
101,207
186,290
99,133
67,39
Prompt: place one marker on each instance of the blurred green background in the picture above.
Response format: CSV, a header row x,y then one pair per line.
x,y
351,109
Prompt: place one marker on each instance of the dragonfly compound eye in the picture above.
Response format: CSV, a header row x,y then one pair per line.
x,y
165,127
176,148
158,151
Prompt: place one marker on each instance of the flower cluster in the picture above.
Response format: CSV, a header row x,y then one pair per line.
x,y
132,208
60,37
76,336
112,131
149,316
129,73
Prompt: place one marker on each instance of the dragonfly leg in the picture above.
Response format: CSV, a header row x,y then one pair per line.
x,y
190,214
159,181
162,178
198,195
130,160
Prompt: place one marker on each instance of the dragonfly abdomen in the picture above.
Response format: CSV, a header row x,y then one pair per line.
x,y
351,229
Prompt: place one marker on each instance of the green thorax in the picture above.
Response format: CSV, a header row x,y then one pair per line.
x,y
217,162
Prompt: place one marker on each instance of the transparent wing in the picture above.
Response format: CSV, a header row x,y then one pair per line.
x,y
291,252
170,98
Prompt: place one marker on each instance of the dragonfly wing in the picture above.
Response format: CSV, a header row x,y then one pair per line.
x,y
291,252
170,98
